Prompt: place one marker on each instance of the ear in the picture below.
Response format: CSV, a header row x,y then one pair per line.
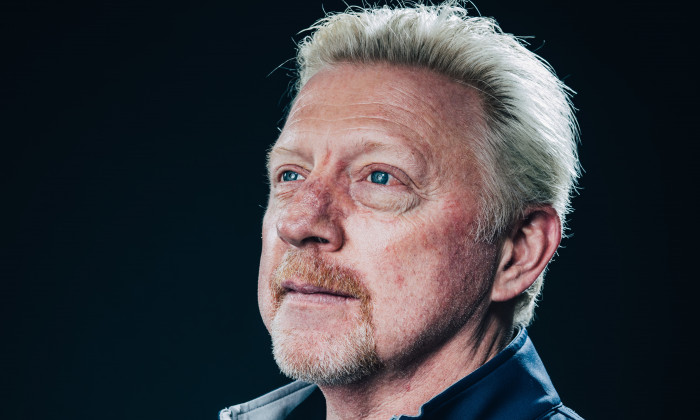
x,y
525,252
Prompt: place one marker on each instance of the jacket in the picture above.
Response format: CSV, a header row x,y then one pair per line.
x,y
512,385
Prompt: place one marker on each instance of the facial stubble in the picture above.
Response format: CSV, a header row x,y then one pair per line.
x,y
324,358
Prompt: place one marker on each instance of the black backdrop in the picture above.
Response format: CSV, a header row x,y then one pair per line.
x,y
133,185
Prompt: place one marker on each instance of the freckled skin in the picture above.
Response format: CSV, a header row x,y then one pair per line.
x,y
410,242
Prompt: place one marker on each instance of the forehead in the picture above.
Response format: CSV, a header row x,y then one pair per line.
x,y
349,105
396,94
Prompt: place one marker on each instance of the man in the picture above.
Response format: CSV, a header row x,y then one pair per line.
x,y
417,194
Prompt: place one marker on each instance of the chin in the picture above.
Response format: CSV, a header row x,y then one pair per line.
x,y
323,358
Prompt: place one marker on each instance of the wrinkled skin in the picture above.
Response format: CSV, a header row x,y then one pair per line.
x,y
372,172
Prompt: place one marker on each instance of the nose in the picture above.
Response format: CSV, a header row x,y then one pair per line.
x,y
311,219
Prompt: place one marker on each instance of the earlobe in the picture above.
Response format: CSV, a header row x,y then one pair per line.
x,y
525,252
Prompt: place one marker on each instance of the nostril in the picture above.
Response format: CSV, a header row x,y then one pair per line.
x,y
314,232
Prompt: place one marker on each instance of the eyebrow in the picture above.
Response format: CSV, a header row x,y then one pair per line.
x,y
365,146
279,150
410,155
371,146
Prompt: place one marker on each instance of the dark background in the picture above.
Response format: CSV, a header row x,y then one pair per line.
x,y
133,184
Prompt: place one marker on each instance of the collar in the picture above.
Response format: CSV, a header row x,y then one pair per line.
x,y
513,384
274,405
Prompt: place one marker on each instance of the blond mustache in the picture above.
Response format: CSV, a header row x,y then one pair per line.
x,y
313,270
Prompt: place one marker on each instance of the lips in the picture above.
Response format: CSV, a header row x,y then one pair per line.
x,y
308,289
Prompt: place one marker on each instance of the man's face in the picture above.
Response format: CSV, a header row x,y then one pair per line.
x,y
368,259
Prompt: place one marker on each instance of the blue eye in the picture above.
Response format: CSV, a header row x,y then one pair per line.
x,y
379,177
291,176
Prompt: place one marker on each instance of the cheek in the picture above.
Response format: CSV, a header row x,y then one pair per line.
x,y
431,259
264,296
438,244
269,259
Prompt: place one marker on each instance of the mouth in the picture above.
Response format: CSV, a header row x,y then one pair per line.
x,y
312,293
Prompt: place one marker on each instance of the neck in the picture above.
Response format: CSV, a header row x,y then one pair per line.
x,y
397,390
